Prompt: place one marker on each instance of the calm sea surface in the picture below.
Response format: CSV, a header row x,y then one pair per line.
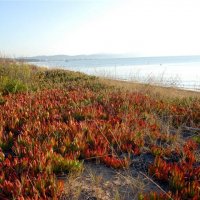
x,y
185,74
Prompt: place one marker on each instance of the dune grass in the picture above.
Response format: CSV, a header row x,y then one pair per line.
x,y
54,121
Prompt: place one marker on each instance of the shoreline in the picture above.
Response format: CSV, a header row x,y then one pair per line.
x,y
128,84
171,92
153,84
158,83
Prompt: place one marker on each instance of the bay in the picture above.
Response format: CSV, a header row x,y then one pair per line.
x,y
166,72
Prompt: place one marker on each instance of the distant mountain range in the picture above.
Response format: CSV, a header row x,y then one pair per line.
x,y
166,59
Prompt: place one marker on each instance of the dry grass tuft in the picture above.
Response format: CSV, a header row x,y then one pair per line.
x,y
155,91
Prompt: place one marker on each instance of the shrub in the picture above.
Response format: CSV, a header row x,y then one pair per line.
x,y
13,86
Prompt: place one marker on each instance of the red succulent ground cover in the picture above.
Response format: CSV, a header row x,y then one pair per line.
x,y
51,132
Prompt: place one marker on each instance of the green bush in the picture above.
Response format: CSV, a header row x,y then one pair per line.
x,y
12,86
2,100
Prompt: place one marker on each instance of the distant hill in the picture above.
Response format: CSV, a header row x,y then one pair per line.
x,y
76,57
158,59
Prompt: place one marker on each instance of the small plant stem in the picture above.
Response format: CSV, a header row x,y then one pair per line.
x,y
156,185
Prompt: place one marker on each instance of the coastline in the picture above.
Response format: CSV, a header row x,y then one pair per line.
x,y
169,91
131,73
166,91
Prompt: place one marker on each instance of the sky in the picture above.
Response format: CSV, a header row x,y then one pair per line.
x,y
72,27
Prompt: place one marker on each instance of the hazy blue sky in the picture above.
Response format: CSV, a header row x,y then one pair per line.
x,y
138,27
